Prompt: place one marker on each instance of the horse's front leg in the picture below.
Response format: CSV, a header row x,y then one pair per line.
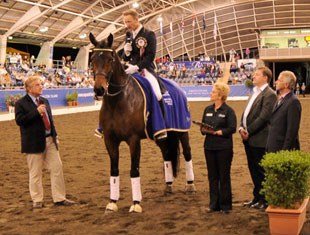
x,y
113,150
135,152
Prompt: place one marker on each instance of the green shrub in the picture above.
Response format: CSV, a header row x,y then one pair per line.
x,y
73,96
287,178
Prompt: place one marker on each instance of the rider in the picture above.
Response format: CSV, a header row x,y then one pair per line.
x,y
139,52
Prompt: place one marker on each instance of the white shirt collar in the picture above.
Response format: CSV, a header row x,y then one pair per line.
x,y
135,32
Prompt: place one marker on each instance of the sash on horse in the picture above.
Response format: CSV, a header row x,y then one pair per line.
x,y
177,115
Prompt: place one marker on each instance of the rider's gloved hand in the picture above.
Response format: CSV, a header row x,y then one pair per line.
x,y
127,49
131,69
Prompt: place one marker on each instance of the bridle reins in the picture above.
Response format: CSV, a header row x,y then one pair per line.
x,y
109,75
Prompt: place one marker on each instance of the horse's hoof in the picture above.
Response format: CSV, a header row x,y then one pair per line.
x,y
111,207
190,189
168,189
135,208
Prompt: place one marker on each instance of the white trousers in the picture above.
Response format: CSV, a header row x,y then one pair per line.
x,y
49,159
154,83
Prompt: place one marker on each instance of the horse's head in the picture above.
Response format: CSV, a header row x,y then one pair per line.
x,y
103,59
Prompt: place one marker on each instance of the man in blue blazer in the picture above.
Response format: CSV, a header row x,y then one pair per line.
x,y
254,131
39,143
286,115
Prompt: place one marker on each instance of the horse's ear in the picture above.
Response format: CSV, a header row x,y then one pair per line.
x,y
93,39
110,40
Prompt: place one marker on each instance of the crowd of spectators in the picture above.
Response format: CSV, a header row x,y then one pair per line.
x,y
15,71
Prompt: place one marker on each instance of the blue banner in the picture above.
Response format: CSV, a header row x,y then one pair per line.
x,y
56,97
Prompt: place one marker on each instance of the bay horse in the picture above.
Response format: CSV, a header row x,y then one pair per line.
x,y
122,119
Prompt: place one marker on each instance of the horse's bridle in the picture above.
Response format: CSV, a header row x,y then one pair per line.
x,y
109,75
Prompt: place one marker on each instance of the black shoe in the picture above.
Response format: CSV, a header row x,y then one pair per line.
x,y
65,203
211,210
225,211
250,203
260,205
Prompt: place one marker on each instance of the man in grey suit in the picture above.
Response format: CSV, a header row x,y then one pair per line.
x,y
254,130
285,120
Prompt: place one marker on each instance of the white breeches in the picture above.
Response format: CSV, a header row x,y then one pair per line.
x,y
154,83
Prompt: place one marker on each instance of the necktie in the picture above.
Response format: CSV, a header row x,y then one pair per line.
x,y
279,101
45,118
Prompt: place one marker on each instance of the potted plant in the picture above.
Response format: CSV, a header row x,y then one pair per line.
x,y
75,98
70,99
10,101
286,189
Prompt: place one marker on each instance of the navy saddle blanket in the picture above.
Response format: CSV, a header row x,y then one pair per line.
x,y
177,116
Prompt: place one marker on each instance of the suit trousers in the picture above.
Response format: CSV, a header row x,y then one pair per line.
x,y
154,83
254,157
218,165
49,159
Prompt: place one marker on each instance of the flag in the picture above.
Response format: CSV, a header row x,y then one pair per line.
x,y
204,26
215,28
161,27
170,25
193,22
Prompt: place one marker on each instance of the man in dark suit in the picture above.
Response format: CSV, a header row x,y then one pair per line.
x,y
139,53
285,119
254,130
40,144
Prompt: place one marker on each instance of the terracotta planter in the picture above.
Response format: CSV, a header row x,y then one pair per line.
x,y
70,103
287,221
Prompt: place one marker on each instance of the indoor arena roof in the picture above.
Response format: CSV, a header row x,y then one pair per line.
x,y
234,23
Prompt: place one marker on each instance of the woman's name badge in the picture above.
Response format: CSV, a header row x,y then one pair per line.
x,y
209,114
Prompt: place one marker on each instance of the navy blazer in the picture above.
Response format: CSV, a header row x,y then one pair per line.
x,y
146,61
32,129
259,117
284,125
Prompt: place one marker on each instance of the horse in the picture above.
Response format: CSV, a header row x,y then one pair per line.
x,y
122,119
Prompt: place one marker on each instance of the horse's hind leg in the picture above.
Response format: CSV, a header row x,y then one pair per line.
x,y
135,151
184,139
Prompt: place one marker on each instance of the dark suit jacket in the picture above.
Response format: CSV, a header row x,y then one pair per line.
x,y
31,125
146,61
259,117
284,125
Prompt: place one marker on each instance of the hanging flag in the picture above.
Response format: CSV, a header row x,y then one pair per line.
x,y
204,26
182,26
161,27
193,22
170,25
215,28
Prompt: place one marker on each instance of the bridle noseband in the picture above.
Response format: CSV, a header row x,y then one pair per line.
x,y
110,74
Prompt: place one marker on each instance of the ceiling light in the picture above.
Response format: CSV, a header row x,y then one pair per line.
x,y
43,29
10,37
82,36
160,19
73,47
135,5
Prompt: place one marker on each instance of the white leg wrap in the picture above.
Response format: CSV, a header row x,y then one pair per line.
x,y
136,189
168,171
114,188
189,171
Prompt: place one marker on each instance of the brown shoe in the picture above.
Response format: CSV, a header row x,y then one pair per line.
x,y
66,202
37,205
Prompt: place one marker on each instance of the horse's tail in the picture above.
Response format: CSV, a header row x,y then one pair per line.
x,y
173,151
